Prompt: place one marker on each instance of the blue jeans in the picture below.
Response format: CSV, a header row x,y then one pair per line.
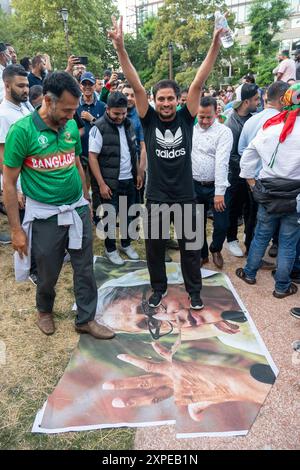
x,y
289,236
205,195
296,267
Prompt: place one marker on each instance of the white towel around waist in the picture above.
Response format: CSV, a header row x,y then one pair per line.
x,y
66,216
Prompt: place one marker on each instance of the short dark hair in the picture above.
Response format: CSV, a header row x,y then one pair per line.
x,y
184,90
166,84
117,100
37,60
35,92
249,77
277,90
25,62
12,71
58,82
127,85
207,101
286,53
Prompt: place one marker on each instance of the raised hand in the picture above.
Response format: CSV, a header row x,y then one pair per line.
x,y
116,33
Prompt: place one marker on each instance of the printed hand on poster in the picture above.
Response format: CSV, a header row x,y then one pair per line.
x,y
194,385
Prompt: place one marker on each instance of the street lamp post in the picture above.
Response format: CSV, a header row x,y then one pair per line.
x,y
65,15
171,49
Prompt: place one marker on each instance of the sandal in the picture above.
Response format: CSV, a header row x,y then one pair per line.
x,y
293,289
241,274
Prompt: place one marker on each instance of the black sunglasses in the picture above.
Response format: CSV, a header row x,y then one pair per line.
x,y
154,325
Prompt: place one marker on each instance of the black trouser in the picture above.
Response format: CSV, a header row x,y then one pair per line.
x,y
205,196
49,242
250,219
125,188
239,203
155,252
96,196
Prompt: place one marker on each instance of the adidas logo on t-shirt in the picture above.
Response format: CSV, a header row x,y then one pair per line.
x,y
169,142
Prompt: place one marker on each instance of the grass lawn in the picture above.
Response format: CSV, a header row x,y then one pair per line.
x,y
35,363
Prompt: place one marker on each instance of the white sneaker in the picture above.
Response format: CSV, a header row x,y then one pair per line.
x,y
130,252
115,258
235,249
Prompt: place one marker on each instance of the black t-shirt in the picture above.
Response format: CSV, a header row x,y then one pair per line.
x,y
169,148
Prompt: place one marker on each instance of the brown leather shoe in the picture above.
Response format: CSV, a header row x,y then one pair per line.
x,y
45,323
267,266
218,259
204,261
94,329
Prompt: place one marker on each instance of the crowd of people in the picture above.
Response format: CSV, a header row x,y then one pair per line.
x,y
72,143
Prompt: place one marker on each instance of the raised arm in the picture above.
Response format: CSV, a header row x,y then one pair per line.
x,y
117,37
206,67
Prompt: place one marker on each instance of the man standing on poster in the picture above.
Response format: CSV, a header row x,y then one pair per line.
x,y
168,138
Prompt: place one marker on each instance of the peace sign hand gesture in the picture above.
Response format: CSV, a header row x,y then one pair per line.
x,y
116,34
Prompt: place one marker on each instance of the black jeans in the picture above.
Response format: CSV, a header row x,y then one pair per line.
x,y
239,203
205,196
49,242
127,189
155,252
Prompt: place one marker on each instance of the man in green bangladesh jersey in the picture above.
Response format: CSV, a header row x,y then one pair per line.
x,y
44,148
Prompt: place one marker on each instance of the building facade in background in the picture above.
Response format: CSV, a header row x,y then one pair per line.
x,y
137,11
5,5
290,35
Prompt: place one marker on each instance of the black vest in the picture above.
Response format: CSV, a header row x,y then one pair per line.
x,y
109,158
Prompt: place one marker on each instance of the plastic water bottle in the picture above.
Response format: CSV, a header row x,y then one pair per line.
x,y
221,22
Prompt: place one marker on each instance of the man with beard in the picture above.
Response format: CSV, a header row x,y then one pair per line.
x,y
13,108
39,71
168,137
44,148
12,53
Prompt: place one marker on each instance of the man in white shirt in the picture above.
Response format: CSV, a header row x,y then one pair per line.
x,y
287,67
277,148
12,109
212,144
13,105
113,162
4,61
274,105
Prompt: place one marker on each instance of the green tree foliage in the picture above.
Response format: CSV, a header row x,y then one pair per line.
x,y
261,53
189,25
37,26
5,27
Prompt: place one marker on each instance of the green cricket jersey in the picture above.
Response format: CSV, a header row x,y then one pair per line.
x,y
47,158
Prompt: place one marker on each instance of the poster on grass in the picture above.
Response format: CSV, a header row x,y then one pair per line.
x,y
207,372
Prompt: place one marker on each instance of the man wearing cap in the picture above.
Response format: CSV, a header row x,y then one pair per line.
x,y
90,109
238,191
113,161
4,61
297,62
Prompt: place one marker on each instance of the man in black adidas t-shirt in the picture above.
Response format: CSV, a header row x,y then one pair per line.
x,y
168,138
